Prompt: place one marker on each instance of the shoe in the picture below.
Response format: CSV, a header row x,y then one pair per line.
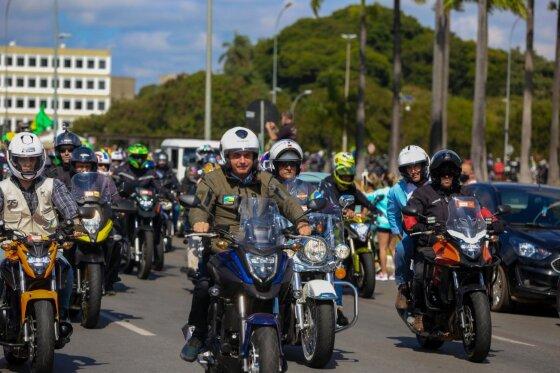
x,y
381,277
401,303
190,350
416,322
391,277
341,320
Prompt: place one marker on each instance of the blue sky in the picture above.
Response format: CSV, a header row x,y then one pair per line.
x,y
151,38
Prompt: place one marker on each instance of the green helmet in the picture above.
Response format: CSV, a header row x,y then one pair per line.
x,y
137,155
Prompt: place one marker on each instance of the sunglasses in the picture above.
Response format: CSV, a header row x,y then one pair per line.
x,y
293,164
65,150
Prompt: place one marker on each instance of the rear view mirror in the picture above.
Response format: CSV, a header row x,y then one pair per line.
x,y
410,211
346,200
503,210
317,204
189,200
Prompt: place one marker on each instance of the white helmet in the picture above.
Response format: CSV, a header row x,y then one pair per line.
x,y
26,145
238,139
117,155
103,157
285,150
410,155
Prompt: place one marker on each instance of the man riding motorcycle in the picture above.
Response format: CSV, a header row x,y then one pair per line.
x,y
413,167
31,202
103,162
218,191
64,145
117,160
431,200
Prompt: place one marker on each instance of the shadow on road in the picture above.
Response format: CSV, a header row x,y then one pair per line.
x,y
295,354
104,321
536,310
62,363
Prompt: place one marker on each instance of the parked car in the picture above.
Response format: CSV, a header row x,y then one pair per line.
x,y
529,248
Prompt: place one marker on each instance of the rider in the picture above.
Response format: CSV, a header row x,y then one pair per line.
x,y
103,162
64,145
137,171
413,167
217,192
117,159
431,200
31,202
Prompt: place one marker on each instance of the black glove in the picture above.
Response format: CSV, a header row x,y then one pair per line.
x,y
419,227
67,227
497,227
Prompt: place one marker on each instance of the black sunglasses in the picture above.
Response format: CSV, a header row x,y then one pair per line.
x,y
293,164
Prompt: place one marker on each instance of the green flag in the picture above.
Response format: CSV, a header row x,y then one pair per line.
x,y
42,122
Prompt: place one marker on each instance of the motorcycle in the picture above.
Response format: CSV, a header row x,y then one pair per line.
x,y
89,252
360,265
252,278
30,324
166,207
457,281
311,319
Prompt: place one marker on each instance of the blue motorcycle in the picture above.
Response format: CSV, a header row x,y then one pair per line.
x,y
251,279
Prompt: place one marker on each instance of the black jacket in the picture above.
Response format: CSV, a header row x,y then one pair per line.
x,y
330,191
63,173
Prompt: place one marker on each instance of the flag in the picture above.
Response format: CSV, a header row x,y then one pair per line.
x,y
42,122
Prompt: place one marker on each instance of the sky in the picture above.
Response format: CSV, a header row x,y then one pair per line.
x,y
152,38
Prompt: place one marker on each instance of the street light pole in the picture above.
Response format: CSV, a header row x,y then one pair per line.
x,y
208,92
508,82
275,53
6,14
307,92
56,63
348,38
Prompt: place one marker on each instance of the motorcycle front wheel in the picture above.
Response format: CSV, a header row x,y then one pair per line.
x,y
127,263
366,280
42,325
91,301
264,351
477,334
147,256
317,340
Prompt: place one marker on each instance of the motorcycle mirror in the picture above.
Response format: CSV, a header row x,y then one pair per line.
x,y
503,210
346,200
411,211
317,204
189,200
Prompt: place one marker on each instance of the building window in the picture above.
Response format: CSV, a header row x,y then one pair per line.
x,y
57,60
31,103
44,83
89,105
79,63
102,64
9,81
78,105
43,103
101,105
31,82
21,61
44,62
20,82
101,84
9,60
55,82
67,63
90,84
53,103
8,102
32,61
66,105
19,103
67,83
79,84
91,64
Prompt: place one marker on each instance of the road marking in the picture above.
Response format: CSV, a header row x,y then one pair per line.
x,y
512,341
127,325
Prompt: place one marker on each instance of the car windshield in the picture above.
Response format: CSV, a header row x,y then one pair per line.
x,y
465,221
539,207
89,187
260,223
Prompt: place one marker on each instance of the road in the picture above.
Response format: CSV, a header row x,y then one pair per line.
x,y
140,332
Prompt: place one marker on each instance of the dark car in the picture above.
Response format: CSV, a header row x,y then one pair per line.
x,y
530,246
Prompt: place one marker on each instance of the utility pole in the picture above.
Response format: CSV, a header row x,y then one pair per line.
x,y
208,93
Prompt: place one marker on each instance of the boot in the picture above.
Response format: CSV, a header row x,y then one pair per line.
x,y
190,350
403,293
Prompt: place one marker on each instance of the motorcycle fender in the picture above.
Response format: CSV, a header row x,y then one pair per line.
x,y
105,232
363,250
319,289
34,295
90,254
256,320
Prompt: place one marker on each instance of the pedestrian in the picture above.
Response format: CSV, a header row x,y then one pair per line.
x,y
467,173
288,131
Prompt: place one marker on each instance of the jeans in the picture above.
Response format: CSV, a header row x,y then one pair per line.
x,y
403,259
339,292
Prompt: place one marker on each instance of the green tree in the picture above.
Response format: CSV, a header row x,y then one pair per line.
x,y
553,173
238,57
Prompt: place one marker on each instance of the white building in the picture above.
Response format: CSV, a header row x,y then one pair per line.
x,y
27,82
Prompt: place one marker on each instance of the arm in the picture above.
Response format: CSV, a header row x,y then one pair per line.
x,y
63,201
207,198
394,213
288,205
271,130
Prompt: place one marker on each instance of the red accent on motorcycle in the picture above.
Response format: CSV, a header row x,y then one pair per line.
x,y
446,254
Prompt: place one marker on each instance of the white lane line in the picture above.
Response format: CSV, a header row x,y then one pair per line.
x,y
127,325
512,341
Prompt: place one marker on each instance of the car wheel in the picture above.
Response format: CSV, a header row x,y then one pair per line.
x,y
501,300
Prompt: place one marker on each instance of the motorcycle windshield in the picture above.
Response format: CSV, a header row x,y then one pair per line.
x,y
260,223
324,226
89,187
465,221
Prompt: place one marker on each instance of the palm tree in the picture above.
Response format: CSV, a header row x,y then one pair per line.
x,y
553,171
238,56
397,75
525,171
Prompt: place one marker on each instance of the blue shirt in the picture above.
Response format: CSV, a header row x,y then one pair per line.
x,y
382,221
397,197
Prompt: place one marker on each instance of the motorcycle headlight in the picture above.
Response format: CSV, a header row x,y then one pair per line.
x,y
529,250
361,230
315,250
146,204
342,251
38,263
91,225
262,268
472,250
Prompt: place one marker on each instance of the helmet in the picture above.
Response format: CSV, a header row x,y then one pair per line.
x,y
84,154
445,162
411,155
26,145
67,138
117,155
344,164
103,157
238,139
137,155
285,150
161,159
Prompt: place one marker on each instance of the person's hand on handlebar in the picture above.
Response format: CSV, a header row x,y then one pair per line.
x,y
201,227
304,229
348,213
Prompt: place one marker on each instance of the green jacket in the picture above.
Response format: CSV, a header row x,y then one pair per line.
x,y
215,188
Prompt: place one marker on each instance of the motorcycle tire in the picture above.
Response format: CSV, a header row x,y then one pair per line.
x,y
147,245
43,319
127,263
264,341
367,286
159,255
429,343
501,300
558,298
91,303
318,351
479,308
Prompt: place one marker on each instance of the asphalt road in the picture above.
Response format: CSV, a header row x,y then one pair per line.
x,y
140,332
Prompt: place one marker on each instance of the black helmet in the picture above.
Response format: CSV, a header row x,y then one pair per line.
x,y
83,154
445,162
67,138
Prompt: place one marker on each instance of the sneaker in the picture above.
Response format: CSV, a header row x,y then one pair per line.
x,y
381,277
401,303
341,320
190,350
391,277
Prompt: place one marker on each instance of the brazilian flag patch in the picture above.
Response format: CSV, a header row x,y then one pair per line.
x,y
228,200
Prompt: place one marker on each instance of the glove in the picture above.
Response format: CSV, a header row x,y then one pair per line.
x,y
498,226
419,227
67,227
